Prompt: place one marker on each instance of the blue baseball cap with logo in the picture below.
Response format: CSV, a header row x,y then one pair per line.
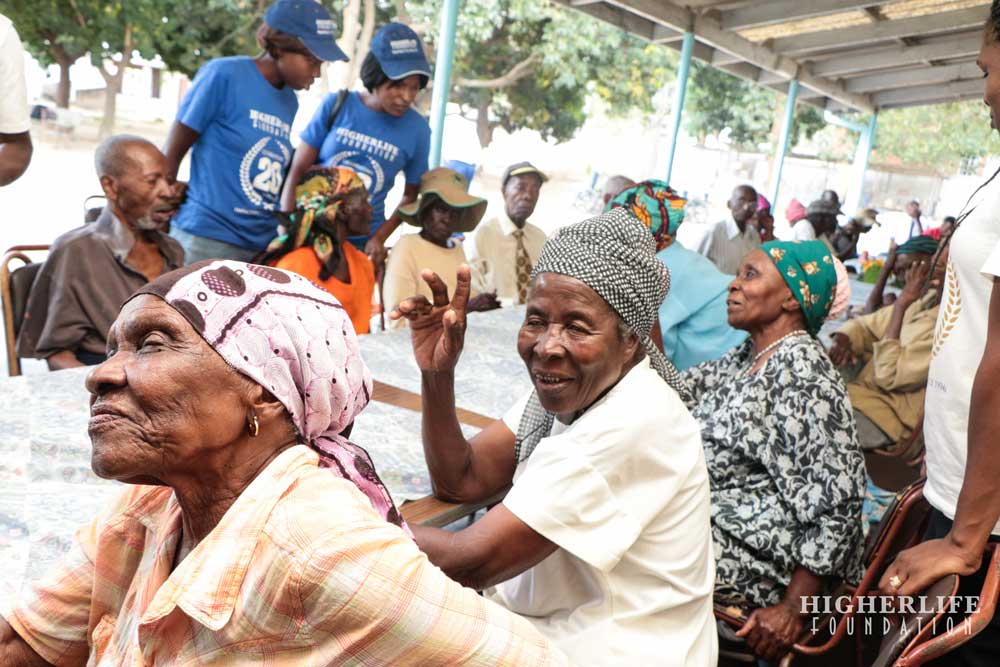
x,y
399,52
310,22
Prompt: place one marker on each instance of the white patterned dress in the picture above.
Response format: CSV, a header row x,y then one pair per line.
x,y
785,468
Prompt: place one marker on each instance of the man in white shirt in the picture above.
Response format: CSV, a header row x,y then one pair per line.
x,y
15,141
729,240
506,248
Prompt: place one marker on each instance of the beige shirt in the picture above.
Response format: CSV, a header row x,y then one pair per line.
x,y
494,253
889,390
411,255
726,245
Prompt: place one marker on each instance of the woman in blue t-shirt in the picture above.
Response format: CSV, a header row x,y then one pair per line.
x,y
375,133
237,118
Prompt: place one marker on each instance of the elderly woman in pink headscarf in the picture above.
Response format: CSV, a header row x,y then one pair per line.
x,y
763,219
251,530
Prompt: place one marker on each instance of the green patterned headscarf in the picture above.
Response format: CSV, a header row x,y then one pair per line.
x,y
656,205
807,268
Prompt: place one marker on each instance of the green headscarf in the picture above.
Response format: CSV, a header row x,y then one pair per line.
x,y
918,245
807,268
656,205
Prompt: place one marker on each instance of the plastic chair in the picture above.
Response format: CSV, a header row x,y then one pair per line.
x,y
15,287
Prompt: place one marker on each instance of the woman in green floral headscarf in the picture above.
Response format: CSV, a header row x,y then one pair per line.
x,y
785,468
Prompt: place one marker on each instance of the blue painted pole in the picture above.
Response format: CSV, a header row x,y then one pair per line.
x,y
862,155
442,78
683,72
786,136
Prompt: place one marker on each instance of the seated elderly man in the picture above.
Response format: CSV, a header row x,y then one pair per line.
x,y
918,250
729,240
786,471
887,355
442,208
819,224
693,323
603,540
505,248
250,531
91,270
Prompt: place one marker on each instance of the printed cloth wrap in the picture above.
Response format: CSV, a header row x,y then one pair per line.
x,y
614,255
656,205
295,340
317,199
807,268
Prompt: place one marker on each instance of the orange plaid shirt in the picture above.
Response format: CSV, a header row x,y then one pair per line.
x,y
300,571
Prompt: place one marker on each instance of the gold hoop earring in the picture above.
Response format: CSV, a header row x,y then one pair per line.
x,y
254,426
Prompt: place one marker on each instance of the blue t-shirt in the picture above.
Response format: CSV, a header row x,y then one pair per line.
x,y
376,145
238,162
693,318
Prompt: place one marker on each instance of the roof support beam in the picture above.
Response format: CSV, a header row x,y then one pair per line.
x,y
966,44
927,94
916,77
784,11
621,19
845,37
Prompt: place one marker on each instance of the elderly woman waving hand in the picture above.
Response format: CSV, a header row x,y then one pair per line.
x,y
603,540
252,532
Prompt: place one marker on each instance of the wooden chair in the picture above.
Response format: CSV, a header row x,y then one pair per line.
x,y
902,527
894,468
15,286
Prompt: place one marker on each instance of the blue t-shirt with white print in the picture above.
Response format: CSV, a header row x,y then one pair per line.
x,y
238,162
374,144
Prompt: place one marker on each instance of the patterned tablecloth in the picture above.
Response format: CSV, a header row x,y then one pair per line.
x,y
47,489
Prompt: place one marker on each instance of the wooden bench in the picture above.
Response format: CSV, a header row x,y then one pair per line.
x,y
429,511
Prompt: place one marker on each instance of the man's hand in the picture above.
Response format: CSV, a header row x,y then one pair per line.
x,y
890,260
928,562
437,330
375,249
914,289
483,302
771,631
840,352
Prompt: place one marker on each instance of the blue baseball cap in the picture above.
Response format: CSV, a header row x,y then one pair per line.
x,y
399,52
310,22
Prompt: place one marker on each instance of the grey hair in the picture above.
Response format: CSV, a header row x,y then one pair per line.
x,y
615,184
112,153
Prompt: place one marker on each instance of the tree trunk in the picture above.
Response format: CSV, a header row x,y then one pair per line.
x,y
342,73
62,93
484,127
113,85
364,40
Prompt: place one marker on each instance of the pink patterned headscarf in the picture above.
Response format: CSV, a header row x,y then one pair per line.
x,y
295,340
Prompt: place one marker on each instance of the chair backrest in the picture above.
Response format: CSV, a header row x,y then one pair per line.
x,y
15,287
914,627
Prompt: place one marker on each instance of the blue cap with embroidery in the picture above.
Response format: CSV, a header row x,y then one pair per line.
x,y
310,22
399,52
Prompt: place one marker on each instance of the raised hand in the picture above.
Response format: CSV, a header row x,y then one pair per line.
x,y
437,328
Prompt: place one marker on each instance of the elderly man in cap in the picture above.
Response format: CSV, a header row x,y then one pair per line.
x,y
443,207
819,223
92,270
506,247
886,355
729,240
917,250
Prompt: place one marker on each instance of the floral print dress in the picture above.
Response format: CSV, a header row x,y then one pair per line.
x,y
786,471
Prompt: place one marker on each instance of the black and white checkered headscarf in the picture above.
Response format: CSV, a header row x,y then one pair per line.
x,y
615,255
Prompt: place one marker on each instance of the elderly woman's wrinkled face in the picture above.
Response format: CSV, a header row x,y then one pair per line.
x,y
356,213
163,399
571,344
757,295
438,222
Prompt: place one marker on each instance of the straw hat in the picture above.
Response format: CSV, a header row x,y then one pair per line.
x,y
451,187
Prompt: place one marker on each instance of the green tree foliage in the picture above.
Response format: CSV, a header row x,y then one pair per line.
x,y
530,64
718,101
193,32
939,137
